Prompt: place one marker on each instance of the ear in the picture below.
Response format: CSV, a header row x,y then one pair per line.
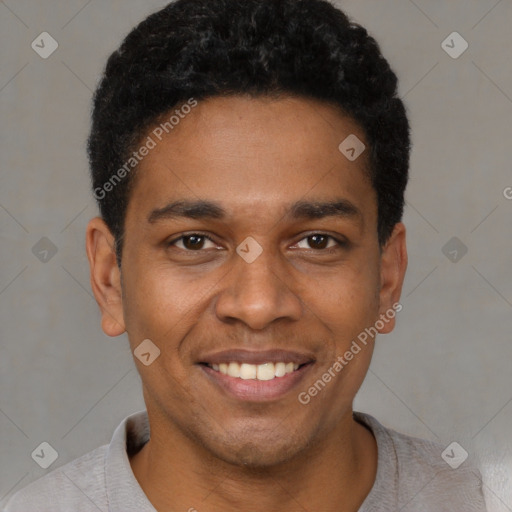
x,y
105,276
392,272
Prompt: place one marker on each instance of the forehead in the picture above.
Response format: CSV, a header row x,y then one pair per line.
x,y
252,153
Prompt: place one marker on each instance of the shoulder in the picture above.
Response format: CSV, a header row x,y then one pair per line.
x,y
424,475
78,485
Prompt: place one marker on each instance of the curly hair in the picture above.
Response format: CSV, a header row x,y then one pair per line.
x,y
208,48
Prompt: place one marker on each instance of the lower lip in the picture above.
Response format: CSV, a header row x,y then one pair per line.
x,y
257,390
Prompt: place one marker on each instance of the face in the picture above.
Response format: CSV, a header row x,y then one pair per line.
x,y
250,246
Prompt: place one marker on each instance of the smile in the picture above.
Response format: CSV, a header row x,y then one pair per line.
x,y
263,372
255,376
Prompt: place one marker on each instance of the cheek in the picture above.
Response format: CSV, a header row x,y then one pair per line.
x,y
347,300
161,303
162,308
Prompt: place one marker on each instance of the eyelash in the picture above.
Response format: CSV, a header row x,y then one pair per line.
x,y
172,242
340,243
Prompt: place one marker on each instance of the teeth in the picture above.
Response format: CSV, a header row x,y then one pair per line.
x,y
234,370
280,369
248,371
266,371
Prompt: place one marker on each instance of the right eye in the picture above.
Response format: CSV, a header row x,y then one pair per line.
x,y
192,242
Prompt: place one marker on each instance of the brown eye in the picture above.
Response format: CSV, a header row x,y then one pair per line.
x,y
318,241
193,242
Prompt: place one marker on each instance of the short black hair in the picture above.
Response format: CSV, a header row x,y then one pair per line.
x,y
206,48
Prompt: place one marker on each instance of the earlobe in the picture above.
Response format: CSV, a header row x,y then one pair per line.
x,y
392,274
105,276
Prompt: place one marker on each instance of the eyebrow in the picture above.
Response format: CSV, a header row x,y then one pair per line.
x,y
309,210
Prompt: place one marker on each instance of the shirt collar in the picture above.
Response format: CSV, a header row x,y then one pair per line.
x,y
386,479
124,494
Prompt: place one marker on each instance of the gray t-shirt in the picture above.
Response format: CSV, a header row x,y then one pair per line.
x,y
411,477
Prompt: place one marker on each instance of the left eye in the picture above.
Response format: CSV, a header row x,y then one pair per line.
x,y
318,241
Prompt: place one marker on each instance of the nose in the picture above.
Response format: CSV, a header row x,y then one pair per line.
x,y
258,293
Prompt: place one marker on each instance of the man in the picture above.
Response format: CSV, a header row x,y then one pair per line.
x,y
249,158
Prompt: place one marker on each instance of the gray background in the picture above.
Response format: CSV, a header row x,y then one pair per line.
x,y
444,374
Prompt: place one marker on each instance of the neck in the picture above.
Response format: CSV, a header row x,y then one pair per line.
x,y
178,474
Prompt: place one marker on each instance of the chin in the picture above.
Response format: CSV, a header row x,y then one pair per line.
x,y
254,456
257,450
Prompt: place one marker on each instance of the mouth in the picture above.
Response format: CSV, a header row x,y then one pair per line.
x,y
262,372
256,376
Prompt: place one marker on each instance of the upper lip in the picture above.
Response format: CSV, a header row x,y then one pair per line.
x,y
257,357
